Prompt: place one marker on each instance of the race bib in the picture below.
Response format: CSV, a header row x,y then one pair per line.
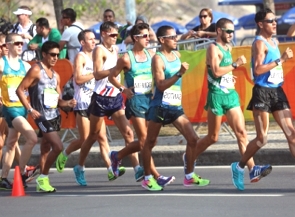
x,y
172,96
90,84
143,84
12,94
276,75
50,98
227,81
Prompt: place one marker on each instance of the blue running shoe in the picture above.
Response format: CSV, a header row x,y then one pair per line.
x,y
237,176
79,176
139,175
164,181
115,162
185,163
259,172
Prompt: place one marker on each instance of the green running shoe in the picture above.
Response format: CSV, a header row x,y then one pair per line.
x,y
43,185
61,162
111,175
196,180
151,185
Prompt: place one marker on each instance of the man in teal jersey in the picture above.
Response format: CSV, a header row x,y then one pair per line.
x,y
267,95
165,107
222,98
138,78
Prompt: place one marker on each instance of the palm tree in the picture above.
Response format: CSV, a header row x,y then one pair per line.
x,y
58,7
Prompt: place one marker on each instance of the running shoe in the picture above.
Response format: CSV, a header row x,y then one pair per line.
x,y
139,175
185,163
196,180
60,162
32,172
151,185
237,176
24,178
164,181
43,185
259,172
115,162
79,176
111,175
5,184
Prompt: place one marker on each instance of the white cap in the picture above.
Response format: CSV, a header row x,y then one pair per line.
x,y
22,11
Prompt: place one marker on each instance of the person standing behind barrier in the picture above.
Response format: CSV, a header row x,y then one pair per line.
x,y
43,84
207,29
268,95
138,78
26,29
84,85
45,33
106,100
12,71
223,99
70,35
291,31
165,107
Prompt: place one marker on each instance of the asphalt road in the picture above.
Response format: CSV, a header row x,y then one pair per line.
x,y
272,196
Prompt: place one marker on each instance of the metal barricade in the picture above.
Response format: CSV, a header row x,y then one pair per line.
x,y
282,38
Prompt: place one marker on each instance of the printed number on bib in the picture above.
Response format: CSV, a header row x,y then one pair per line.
x,y
50,98
227,81
172,96
276,75
143,84
12,94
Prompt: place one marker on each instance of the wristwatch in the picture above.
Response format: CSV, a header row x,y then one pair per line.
x,y
30,110
235,65
278,62
121,89
178,74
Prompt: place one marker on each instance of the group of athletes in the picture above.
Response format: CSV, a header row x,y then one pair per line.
x,y
153,90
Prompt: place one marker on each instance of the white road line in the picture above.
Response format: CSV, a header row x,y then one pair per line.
x,y
165,195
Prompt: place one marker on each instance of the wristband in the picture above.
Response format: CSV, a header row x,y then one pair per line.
x,y
121,89
30,110
178,74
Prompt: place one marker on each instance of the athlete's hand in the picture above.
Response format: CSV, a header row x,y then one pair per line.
x,y
72,103
128,92
241,60
35,114
288,54
184,67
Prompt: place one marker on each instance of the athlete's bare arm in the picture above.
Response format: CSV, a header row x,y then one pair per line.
x,y
99,57
79,63
123,63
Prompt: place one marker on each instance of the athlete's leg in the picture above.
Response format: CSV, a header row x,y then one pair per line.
x,y
236,121
284,119
22,125
214,123
12,138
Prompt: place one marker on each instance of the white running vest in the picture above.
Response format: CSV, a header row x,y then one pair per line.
x,y
83,92
103,87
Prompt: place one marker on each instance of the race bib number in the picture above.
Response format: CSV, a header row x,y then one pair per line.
x,y
276,75
227,81
90,84
12,94
143,84
50,98
172,96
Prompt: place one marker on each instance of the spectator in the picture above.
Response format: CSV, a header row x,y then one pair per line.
x,y
45,33
206,29
70,35
26,29
291,31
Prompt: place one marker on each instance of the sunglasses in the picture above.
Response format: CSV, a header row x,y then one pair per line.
x,y
203,16
53,54
16,43
113,35
170,37
270,21
3,45
142,35
228,31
